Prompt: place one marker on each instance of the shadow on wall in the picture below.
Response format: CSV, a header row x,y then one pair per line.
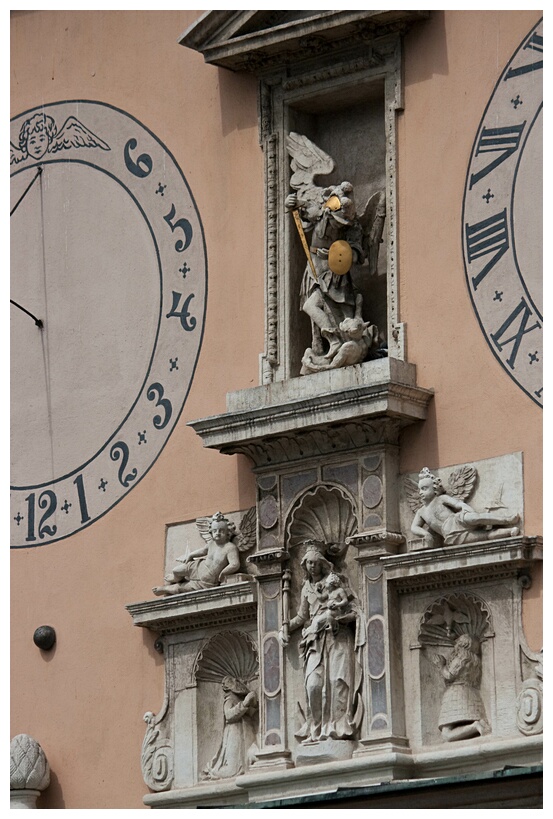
x,y
436,61
246,482
238,100
52,797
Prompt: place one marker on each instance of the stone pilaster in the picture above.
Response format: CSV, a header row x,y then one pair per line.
x,y
273,752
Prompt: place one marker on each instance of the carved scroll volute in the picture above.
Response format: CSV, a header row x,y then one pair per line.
x,y
157,755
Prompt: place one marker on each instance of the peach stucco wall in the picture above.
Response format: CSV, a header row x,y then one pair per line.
x,y
451,66
84,701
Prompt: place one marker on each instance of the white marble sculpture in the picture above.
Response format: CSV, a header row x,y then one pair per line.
x,y
447,515
339,238
205,567
358,337
29,771
332,634
462,713
239,733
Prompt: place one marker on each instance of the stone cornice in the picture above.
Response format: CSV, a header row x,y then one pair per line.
x,y
285,430
232,603
260,40
463,564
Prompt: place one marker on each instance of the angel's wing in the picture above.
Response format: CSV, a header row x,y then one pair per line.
x,y
73,134
204,528
412,494
461,482
248,525
16,155
372,221
308,161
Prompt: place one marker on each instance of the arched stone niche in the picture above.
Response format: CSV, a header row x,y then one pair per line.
x,y
226,654
456,669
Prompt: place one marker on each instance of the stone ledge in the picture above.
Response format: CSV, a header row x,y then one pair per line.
x,y
206,607
418,569
371,373
299,406
456,758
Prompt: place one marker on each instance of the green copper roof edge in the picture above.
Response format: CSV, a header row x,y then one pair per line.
x,y
388,787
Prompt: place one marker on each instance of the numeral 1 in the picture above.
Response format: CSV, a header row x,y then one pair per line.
x,y
79,483
30,517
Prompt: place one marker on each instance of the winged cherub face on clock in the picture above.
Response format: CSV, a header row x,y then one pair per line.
x,y
36,135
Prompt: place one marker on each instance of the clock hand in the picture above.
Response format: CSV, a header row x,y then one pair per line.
x,y
38,322
24,194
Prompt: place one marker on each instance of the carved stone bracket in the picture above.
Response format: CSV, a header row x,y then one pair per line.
x,y
331,411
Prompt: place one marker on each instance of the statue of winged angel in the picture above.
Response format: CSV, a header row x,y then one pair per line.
x,y
446,513
339,238
220,556
39,135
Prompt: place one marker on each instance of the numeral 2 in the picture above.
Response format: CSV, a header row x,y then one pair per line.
x,y
121,450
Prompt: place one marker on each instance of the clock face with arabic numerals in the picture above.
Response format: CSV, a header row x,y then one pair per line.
x,y
108,297
502,218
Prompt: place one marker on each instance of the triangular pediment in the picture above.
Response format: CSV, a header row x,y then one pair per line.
x,y
252,40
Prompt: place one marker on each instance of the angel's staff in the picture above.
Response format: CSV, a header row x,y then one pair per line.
x,y
297,220
286,577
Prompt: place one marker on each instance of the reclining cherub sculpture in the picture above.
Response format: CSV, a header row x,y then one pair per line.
x,y
450,517
206,567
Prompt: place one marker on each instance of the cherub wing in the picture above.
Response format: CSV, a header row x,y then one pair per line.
x,y
372,221
204,528
16,154
308,161
247,535
73,134
412,495
461,482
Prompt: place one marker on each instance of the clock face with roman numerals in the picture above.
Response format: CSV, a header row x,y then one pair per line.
x,y
108,296
502,218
